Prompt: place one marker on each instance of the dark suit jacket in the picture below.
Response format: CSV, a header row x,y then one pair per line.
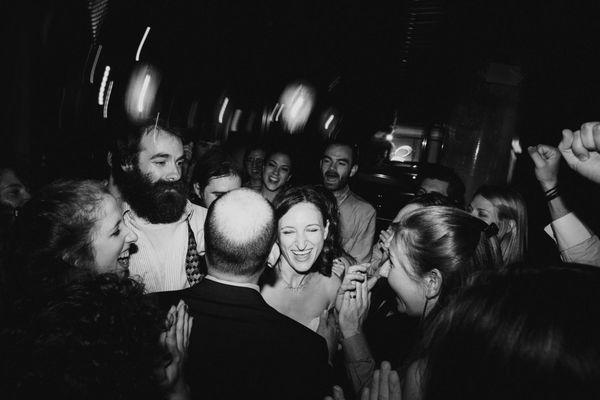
x,y
242,348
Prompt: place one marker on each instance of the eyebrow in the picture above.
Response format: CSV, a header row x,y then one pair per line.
x,y
160,155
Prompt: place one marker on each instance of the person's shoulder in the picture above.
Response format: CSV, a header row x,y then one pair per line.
x,y
362,204
166,299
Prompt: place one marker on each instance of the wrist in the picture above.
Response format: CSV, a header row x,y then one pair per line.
x,y
347,333
547,185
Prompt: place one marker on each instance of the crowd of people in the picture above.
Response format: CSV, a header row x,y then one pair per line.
x,y
205,278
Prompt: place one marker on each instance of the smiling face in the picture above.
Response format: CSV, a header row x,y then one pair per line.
x,y
302,233
277,171
111,238
409,287
483,209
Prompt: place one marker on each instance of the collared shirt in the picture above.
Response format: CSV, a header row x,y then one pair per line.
x,y
230,283
357,225
162,248
574,240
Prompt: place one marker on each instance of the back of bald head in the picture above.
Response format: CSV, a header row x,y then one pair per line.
x,y
239,233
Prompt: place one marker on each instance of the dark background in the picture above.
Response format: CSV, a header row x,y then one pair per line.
x,y
370,60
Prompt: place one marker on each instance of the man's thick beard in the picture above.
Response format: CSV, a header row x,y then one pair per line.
x,y
160,202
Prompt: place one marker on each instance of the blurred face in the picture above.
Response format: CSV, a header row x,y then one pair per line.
x,y
336,167
302,233
218,186
433,185
277,171
409,288
13,193
483,209
254,164
111,238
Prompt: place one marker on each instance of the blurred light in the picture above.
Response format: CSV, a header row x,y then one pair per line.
x,y
328,122
516,146
389,137
139,50
142,97
236,118
93,71
402,153
279,111
141,92
103,86
223,107
299,100
107,99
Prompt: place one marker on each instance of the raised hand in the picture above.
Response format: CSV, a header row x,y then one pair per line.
x,y
175,340
547,161
354,309
354,273
384,386
580,150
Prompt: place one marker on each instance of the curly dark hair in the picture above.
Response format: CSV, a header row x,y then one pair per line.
x,y
95,338
291,196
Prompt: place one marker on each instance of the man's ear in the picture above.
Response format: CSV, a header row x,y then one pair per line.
x,y
353,170
273,256
433,283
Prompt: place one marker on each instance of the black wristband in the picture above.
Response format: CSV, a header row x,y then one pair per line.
x,y
551,194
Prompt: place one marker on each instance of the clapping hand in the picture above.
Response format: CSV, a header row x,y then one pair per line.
x,y
385,385
175,339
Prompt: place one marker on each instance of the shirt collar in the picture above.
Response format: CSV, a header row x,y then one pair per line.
x,y
342,195
238,284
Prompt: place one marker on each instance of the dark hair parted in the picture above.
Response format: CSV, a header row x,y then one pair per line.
x,y
126,146
456,187
215,163
449,240
57,224
289,197
518,334
227,248
96,338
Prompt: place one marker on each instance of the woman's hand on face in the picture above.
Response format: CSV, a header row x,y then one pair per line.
x,y
176,340
354,273
385,238
354,309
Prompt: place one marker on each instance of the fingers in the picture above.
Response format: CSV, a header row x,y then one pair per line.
x,y
338,393
567,140
536,157
384,389
395,388
590,135
375,385
365,394
181,317
578,149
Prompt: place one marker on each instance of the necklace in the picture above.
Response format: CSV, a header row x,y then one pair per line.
x,y
303,282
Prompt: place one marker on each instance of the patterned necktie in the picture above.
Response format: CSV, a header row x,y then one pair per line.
x,y
195,266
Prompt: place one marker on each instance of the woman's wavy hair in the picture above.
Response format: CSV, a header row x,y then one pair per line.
x,y
449,240
291,196
57,224
94,338
517,333
510,206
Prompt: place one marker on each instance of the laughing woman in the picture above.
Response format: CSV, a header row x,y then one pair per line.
x,y
70,228
301,285
277,172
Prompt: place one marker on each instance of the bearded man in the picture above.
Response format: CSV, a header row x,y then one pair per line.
x,y
339,163
147,176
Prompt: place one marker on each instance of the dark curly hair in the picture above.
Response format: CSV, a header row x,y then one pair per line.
x,y
291,196
95,338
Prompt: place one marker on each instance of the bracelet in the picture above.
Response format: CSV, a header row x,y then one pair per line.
x,y
551,194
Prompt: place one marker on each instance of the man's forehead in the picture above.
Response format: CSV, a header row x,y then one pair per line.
x,y
339,151
435,185
158,141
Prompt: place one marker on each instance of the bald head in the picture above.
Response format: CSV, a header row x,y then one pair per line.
x,y
239,233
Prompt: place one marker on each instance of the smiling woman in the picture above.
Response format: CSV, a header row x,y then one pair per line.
x,y
70,228
277,172
301,285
